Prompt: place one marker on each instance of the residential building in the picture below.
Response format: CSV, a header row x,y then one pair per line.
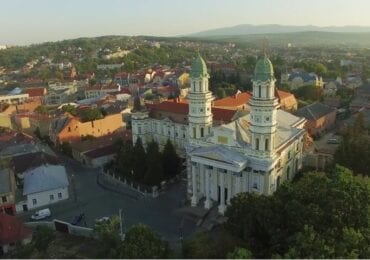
x,y
299,79
7,192
68,128
101,89
228,152
320,118
12,232
45,185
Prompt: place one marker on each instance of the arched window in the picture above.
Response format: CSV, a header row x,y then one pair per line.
x,y
267,91
259,91
266,144
201,132
257,144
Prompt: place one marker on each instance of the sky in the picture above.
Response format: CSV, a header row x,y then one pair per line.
x,y
33,21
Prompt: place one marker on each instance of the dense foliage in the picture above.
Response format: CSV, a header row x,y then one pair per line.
x,y
150,167
355,147
319,216
140,241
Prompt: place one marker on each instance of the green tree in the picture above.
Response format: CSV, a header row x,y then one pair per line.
x,y
139,163
66,148
170,160
41,237
108,235
142,242
70,109
239,253
91,114
321,215
355,147
154,173
42,110
220,92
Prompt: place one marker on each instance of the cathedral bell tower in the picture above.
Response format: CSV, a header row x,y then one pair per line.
x,y
200,101
263,109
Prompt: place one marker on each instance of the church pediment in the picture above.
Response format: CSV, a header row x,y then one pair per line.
x,y
219,156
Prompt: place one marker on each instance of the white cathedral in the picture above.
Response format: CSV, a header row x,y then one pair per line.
x,y
227,152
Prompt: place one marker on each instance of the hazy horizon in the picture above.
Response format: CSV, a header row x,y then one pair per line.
x,y
34,21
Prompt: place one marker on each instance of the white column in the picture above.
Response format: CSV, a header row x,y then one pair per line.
x,y
202,171
194,198
222,207
229,186
207,202
238,182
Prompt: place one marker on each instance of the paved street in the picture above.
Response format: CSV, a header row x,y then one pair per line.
x,y
87,196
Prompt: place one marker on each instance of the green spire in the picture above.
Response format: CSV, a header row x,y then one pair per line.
x,y
264,70
198,68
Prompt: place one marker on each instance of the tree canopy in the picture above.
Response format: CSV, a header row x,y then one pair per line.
x,y
322,215
355,147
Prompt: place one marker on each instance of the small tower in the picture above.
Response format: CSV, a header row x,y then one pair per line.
x,y
200,101
263,109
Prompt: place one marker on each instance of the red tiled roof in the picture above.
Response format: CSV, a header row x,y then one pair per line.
x,y
235,100
220,114
12,229
170,106
182,107
35,92
282,94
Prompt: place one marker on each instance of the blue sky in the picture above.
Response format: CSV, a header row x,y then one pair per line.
x,y
32,21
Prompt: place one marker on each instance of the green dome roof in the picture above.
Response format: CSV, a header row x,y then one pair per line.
x,y
198,68
263,70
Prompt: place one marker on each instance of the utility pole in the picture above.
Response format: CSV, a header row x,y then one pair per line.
x,y
120,224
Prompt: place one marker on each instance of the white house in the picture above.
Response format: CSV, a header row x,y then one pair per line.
x,y
45,185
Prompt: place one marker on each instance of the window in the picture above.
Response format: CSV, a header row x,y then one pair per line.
x,y
34,201
194,132
59,195
51,196
267,119
139,129
69,129
194,86
201,110
3,198
259,91
202,132
255,186
257,144
266,144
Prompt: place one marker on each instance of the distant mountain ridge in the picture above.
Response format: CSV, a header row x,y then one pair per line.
x,y
245,29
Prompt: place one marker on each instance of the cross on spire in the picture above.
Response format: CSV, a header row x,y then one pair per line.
x,y
265,47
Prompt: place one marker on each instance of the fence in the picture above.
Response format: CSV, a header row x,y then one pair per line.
x,y
126,187
58,226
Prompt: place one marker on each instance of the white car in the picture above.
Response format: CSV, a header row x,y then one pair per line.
x,y
41,214
102,219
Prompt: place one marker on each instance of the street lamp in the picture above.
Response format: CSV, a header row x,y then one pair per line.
x,y
120,224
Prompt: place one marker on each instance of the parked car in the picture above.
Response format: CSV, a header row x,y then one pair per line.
x,y
332,141
41,214
102,219
77,219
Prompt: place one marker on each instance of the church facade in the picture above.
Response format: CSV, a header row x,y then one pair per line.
x,y
227,152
